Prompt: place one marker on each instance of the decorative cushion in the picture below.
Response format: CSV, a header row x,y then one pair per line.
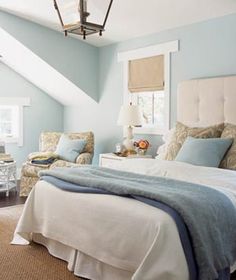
x,y
162,150
204,152
68,149
182,132
229,160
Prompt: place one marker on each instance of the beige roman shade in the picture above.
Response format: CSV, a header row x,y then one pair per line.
x,y
146,74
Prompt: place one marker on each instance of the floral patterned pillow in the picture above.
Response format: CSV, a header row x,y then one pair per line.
x,y
229,160
182,132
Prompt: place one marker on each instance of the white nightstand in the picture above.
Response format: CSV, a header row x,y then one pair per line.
x,y
110,160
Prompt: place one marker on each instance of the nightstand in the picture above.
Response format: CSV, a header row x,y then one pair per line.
x,y
110,160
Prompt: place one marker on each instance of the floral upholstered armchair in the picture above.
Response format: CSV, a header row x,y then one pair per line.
x,y
47,143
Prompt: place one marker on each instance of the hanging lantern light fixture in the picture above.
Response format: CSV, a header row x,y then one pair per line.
x,y
74,14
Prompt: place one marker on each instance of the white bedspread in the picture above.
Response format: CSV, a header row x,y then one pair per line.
x,y
110,237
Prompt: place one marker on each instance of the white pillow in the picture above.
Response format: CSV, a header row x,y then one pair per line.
x,y
161,151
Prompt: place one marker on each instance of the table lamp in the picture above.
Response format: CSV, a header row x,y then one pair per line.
x,y
130,116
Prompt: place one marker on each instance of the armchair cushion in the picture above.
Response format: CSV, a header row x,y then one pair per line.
x,y
68,149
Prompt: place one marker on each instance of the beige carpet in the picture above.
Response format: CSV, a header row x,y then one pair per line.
x,y
31,262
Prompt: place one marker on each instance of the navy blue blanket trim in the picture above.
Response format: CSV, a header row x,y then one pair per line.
x,y
183,233
185,237
224,274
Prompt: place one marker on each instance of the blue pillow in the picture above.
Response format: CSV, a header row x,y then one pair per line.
x,y
204,152
68,149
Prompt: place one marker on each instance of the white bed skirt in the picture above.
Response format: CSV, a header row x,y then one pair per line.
x,y
81,264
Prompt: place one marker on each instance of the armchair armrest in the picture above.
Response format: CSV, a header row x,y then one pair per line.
x,y
84,158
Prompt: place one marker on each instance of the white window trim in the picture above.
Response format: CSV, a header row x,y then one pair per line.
x,y
20,102
161,49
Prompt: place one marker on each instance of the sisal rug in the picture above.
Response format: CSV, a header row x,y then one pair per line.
x,y
31,262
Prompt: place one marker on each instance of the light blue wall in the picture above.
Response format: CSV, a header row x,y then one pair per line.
x,y
75,59
206,49
37,117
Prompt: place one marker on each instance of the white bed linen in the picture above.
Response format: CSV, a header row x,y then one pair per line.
x,y
115,237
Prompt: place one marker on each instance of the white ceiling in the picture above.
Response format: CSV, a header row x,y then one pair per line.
x,y
129,18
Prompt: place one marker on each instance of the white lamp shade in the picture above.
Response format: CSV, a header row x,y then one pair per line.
x,y
130,115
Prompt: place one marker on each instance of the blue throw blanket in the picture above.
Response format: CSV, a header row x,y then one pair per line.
x,y
209,215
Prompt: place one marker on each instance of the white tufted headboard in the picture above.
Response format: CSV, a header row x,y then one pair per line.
x,y
205,102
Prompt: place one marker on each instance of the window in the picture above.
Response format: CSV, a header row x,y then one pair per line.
x,y
9,122
11,119
147,74
147,88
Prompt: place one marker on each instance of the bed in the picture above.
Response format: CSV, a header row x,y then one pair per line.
x,y
131,240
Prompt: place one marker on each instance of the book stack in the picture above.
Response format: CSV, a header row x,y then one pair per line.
x,y
5,158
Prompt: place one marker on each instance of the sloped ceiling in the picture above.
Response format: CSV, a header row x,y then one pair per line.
x,y
37,71
129,18
57,66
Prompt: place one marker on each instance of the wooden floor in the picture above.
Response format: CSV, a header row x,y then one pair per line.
x,y
12,199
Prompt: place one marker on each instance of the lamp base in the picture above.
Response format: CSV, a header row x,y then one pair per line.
x,y
129,141
129,144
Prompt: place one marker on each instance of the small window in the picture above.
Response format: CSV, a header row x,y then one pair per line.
x,y
11,119
9,123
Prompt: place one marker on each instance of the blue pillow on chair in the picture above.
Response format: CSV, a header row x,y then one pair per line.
x,y
68,149
204,152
